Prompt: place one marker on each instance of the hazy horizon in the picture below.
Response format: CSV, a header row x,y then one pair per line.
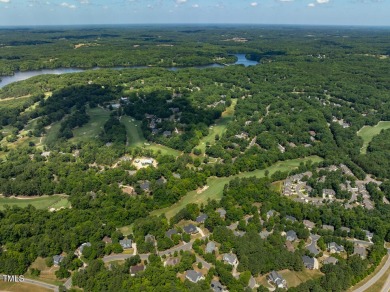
x,y
195,12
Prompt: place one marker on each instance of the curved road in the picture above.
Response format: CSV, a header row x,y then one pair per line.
x,y
41,284
378,275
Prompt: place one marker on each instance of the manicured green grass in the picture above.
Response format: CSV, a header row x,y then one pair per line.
x,y
369,132
216,185
136,139
294,278
219,128
92,129
52,133
126,230
44,202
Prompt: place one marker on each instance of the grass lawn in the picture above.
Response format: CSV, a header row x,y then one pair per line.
x,y
126,230
52,133
47,273
294,278
369,132
136,139
21,287
381,281
216,185
90,130
43,202
219,128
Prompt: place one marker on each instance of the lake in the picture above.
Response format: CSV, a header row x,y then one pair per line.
x,y
19,76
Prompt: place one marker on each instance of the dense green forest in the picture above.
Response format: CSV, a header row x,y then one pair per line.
x,y
90,136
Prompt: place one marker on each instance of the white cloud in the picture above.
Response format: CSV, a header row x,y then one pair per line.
x,y
195,6
5,1
67,5
322,1
84,1
254,4
285,0
311,5
180,1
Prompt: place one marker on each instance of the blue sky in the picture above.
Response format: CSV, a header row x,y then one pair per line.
x,y
320,12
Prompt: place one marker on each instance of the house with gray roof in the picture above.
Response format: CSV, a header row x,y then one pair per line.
x,y
145,186
264,233
271,213
328,227
310,263
222,212
150,238
230,259
309,224
216,286
57,259
176,175
277,279
333,247
252,283
190,229
291,218
369,234
360,251
348,230
210,247
194,276
291,235
126,243
201,218
170,232
330,261
239,233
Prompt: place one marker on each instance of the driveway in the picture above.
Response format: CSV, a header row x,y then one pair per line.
x,y
41,284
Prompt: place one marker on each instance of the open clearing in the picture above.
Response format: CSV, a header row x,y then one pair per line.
x,y
219,128
21,287
216,185
43,202
293,278
369,132
135,138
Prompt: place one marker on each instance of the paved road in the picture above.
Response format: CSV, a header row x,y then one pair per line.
x,y
41,284
361,242
378,275
68,283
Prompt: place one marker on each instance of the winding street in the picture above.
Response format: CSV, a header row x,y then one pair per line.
x,y
378,275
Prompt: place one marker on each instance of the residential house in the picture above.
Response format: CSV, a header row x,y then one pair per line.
x,y
310,263
328,227
313,249
210,247
194,276
107,240
309,224
150,238
136,269
360,251
291,235
328,193
290,247
369,234
348,230
333,247
190,229
330,261
57,259
126,243
162,180
216,286
147,161
230,258
176,175
170,232
291,218
222,212
264,234
270,213
201,218
277,279
167,134
171,262
145,186
239,233
252,283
